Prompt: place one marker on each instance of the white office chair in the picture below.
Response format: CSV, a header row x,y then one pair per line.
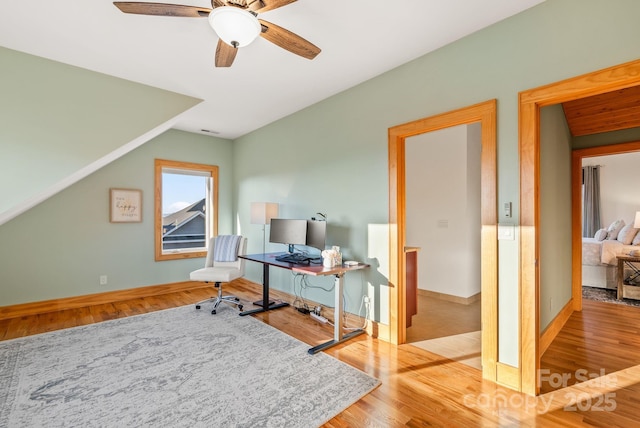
x,y
222,271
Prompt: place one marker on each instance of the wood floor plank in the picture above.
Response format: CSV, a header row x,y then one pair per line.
x,y
420,388
602,338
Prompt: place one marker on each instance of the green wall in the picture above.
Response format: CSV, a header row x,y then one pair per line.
x,y
606,138
60,247
333,156
555,213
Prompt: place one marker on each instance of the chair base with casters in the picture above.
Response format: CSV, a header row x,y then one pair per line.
x,y
230,300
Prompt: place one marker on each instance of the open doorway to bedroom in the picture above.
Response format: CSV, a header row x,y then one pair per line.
x,y
601,339
534,342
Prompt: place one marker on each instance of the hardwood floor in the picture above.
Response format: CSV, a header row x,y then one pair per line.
x,y
448,329
603,338
418,388
438,318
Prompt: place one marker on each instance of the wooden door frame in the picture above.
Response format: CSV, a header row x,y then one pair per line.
x,y
530,102
486,114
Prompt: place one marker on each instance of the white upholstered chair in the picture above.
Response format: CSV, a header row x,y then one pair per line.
x,y
222,265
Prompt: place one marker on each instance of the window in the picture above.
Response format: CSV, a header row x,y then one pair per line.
x,y
186,208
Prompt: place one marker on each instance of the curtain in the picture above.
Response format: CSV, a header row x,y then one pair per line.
x,y
590,200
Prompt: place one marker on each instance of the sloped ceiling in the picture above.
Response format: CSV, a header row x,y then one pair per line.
x,y
60,123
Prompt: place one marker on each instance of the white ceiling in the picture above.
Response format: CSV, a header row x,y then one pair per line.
x,y
359,39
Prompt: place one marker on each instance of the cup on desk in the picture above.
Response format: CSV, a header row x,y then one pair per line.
x,y
329,258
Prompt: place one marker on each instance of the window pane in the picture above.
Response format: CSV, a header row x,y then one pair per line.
x,y
184,201
186,208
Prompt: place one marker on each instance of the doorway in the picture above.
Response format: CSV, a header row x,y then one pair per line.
x,y
531,101
443,228
578,156
600,338
485,114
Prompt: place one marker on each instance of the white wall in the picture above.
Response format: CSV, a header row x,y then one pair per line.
x,y
443,208
619,186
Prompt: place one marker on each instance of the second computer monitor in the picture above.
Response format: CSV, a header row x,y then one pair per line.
x,y
316,234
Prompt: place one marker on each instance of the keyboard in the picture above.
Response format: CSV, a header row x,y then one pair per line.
x,y
293,258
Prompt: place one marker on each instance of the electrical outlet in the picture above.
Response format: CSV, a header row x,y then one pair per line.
x,y
103,279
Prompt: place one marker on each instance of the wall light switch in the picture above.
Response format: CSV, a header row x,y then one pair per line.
x,y
507,232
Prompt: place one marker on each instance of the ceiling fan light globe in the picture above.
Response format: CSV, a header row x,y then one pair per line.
x,y
236,27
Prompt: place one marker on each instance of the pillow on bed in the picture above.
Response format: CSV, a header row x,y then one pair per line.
x,y
614,229
627,234
601,235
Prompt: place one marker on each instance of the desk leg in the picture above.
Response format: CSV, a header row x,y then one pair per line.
x,y
265,302
620,278
339,305
265,295
338,337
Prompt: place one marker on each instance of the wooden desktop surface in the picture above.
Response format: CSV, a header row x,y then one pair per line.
x,y
309,269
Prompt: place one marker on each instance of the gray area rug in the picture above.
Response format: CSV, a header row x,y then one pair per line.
x,y
606,295
173,368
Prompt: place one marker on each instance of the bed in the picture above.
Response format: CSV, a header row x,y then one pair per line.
x,y
599,263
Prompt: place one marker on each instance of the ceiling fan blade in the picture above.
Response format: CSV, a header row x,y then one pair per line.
x,y
225,54
261,6
217,3
162,9
288,40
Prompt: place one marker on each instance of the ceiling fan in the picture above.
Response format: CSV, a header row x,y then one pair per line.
x,y
235,22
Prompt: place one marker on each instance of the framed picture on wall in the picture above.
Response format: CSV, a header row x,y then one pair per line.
x,y
125,205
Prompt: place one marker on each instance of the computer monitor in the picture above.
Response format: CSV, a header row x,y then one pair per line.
x,y
289,232
316,234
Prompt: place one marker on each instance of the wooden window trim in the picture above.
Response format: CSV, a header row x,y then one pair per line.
x,y
160,164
